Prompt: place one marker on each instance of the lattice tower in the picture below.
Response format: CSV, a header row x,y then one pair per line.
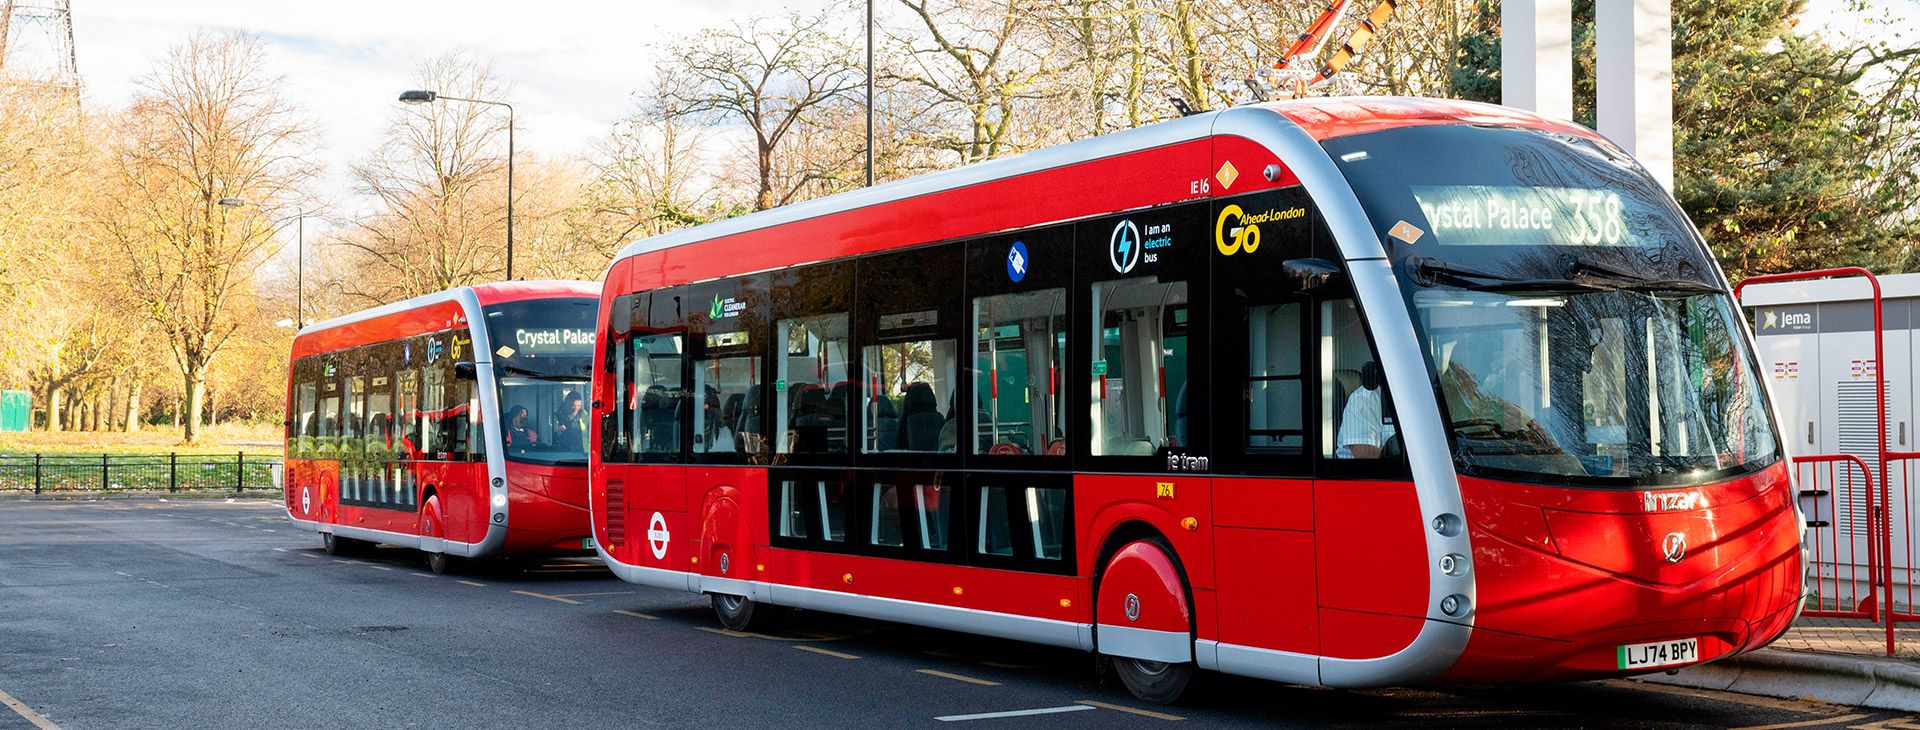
x,y
36,44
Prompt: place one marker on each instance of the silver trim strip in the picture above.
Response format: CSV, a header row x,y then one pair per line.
x,y
1270,664
1147,644
965,620
1439,642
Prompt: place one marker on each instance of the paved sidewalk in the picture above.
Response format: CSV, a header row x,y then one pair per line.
x,y
1843,661
1850,636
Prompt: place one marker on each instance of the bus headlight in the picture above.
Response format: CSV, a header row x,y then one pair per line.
x,y
1454,565
499,500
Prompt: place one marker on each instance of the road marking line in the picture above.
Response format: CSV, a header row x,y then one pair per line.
x,y
1131,710
828,652
379,567
635,614
279,550
474,583
1806,723
423,575
957,677
1014,713
723,632
1899,723
21,709
550,598
608,593
308,555
129,575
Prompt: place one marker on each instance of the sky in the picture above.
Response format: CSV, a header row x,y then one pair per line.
x,y
570,67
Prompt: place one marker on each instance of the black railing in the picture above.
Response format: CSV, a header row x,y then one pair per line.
x,y
42,473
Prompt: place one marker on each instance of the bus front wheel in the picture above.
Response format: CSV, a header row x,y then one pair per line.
x,y
739,613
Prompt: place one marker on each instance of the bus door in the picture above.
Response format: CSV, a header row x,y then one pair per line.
x,y
1264,349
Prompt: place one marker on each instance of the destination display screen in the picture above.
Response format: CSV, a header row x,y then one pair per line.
x,y
1510,215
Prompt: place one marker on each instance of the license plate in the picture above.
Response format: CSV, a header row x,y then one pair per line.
x,y
1658,654
586,543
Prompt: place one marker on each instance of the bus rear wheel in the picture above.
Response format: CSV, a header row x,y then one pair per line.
x,y
342,546
740,613
1157,682
442,563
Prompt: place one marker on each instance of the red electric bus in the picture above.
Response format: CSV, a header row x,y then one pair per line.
x,y
394,434
1340,392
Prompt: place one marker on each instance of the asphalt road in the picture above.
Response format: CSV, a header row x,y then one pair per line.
x,y
207,614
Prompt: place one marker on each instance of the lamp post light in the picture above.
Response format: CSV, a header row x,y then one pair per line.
x,y
421,96
299,257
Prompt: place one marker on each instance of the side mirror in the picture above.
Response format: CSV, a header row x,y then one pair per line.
x,y
465,371
1310,274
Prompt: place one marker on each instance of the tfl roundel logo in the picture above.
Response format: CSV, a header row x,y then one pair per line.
x,y
1123,247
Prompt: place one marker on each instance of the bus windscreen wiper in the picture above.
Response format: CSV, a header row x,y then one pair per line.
x,y
1612,278
1430,272
535,374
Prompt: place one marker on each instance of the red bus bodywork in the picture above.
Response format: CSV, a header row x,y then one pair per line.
x,y
476,509
1331,582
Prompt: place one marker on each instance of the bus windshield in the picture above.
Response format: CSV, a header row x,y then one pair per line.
x,y
1647,386
1575,328
542,358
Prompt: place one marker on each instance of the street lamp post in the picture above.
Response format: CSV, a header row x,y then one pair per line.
x,y
299,258
419,96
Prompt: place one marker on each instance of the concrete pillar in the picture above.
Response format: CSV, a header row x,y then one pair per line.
x,y
1536,56
1633,63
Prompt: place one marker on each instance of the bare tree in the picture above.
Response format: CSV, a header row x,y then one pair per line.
x,y
209,123
767,74
437,179
979,58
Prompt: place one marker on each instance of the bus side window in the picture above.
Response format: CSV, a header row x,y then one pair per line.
x,y
1276,392
1139,367
433,410
661,397
1019,343
615,399
406,398
1357,416
305,401
814,358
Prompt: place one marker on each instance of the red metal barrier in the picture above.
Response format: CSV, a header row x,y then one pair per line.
x,y
1844,584
1877,513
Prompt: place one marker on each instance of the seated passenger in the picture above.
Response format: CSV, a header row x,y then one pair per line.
x,y
1363,427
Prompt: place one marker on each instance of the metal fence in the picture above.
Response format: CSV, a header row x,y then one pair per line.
x,y
235,473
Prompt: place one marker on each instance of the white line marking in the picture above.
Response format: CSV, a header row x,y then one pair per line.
x,y
21,709
474,583
1014,713
635,614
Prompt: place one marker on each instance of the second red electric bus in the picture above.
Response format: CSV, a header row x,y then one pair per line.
x,y
454,423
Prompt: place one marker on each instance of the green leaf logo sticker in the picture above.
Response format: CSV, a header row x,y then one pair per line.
x,y
713,312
